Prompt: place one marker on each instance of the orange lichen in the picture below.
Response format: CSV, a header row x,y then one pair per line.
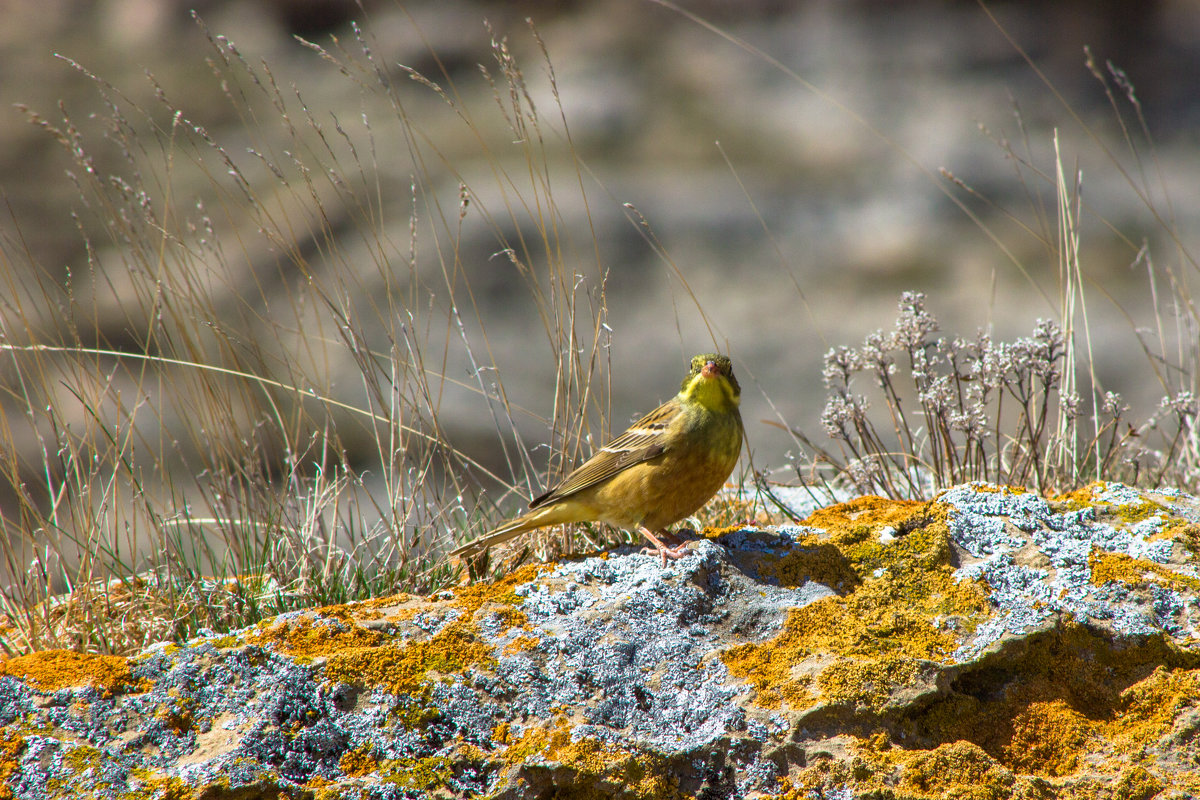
x,y
953,771
510,617
867,514
472,597
903,603
961,770
355,654
408,667
312,637
358,762
321,788
1083,497
1124,514
1063,695
769,669
1138,783
868,683
1049,738
1040,709
816,561
11,747
51,670
521,644
534,740
987,488
601,770
596,768
426,774
1065,714
1147,710
717,531
1122,568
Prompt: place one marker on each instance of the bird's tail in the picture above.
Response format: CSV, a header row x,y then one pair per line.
x,y
538,518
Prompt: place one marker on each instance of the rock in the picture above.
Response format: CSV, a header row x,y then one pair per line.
x,y
989,644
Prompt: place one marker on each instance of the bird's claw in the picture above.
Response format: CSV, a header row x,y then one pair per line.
x,y
676,552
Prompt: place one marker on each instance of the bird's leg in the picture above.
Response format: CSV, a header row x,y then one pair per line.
x,y
679,551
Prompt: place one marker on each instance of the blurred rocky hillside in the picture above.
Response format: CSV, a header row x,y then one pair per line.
x,y
789,165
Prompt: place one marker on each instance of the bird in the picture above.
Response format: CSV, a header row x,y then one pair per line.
x,y
665,467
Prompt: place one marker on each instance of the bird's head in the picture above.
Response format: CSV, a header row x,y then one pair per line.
x,y
710,383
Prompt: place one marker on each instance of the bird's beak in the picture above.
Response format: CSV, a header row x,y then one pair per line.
x,y
710,370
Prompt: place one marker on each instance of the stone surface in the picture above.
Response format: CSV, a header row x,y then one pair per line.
x,y
990,644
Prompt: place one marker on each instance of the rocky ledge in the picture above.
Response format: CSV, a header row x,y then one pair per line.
x,y
989,644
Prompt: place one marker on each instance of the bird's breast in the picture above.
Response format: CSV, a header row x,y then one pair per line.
x,y
660,492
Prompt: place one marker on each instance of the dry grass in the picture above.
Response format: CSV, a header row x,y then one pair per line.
x,y
238,327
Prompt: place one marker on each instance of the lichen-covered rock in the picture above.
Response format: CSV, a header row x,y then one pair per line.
x,y
989,644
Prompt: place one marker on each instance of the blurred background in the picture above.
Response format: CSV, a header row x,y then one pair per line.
x,y
794,166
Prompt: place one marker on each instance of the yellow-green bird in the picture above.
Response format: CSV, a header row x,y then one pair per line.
x,y
664,468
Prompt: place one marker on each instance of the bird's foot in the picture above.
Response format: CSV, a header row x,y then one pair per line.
x,y
678,551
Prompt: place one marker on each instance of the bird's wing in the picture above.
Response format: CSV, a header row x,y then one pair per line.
x,y
645,439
